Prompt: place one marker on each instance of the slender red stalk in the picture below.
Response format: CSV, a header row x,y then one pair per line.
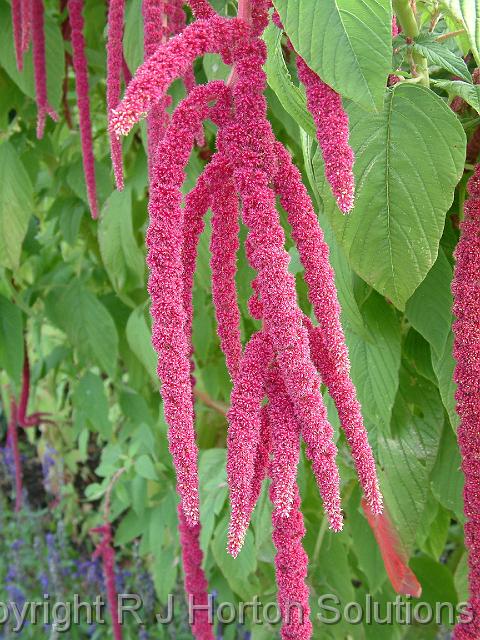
x,y
164,241
244,418
196,585
13,442
291,567
329,350
394,555
39,66
17,32
75,8
106,552
115,65
466,350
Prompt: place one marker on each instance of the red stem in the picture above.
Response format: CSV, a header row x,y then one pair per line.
x,y
25,393
13,441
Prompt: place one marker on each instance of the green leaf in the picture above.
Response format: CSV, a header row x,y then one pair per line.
x,y
55,58
429,310
438,54
133,35
447,477
348,43
468,13
145,468
408,453
123,259
375,361
16,205
444,365
291,97
213,491
437,583
469,92
140,342
409,159
11,340
87,323
91,405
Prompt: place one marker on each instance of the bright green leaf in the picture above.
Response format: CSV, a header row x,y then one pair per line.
x,y
11,340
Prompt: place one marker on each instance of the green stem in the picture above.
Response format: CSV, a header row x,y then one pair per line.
x,y
408,22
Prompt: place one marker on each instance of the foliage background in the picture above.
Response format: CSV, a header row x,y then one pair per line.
x,y
76,289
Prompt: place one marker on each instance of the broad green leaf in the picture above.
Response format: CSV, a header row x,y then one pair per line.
x,y
438,54
145,468
11,340
55,58
468,13
133,35
375,361
447,478
140,342
469,92
444,365
348,43
91,406
429,310
409,159
16,205
291,97
437,583
123,259
408,453
87,323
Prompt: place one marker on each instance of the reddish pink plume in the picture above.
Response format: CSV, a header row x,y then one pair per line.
x,y
39,67
331,122
201,9
224,246
115,65
164,241
17,32
75,8
249,143
169,62
26,12
196,587
285,433
394,556
244,418
466,351
291,567
105,551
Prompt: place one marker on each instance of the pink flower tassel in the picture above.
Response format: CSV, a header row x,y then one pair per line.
x,y
466,292
331,122
169,62
17,32
201,9
291,567
249,142
328,347
262,459
26,13
75,8
106,552
196,586
39,67
164,241
115,61
244,418
285,433
224,246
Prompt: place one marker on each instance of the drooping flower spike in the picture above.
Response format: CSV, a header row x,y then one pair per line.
x,y
105,551
466,350
39,66
115,62
17,32
327,342
26,13
164,241
75,8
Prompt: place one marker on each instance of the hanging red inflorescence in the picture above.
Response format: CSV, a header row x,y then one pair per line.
x,y
466,350
39,66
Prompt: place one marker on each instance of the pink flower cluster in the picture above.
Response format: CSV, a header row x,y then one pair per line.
x,y
115,60
280,363
75,8
39,66
466,292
